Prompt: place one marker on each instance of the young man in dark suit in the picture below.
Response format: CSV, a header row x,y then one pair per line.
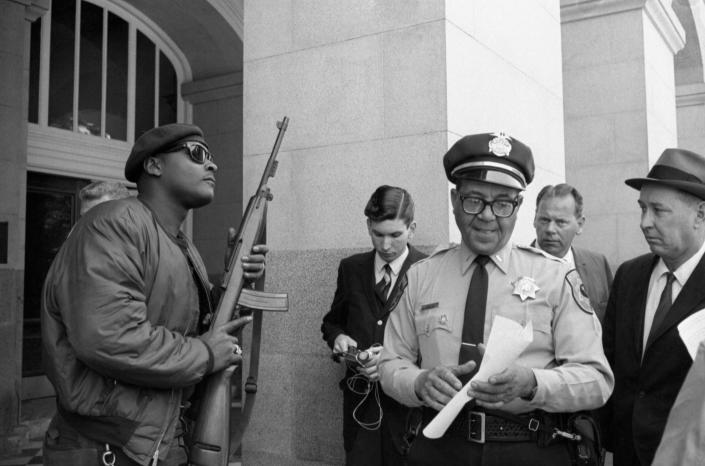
x,y
650,296
559,219
369,286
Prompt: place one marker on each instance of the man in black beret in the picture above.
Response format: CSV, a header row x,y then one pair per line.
x,y
125,312
651,295
434,338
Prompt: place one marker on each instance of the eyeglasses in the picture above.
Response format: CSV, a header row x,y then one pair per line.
x,y
197,151
500,207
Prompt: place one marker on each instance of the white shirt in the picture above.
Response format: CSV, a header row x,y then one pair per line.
x,y
657,283
395,265
569,258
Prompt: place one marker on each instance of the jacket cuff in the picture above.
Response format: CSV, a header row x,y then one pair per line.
x,y
211,358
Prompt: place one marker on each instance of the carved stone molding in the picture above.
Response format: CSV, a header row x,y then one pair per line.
x,y
659,12
34,9
233,12
690,94
216,88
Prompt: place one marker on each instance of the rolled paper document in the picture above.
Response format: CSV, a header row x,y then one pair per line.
x,y
506,342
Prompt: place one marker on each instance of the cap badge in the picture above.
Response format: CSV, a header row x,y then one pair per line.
x,y
500,145
525,288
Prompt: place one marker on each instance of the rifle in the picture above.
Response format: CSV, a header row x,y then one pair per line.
x,y
211,440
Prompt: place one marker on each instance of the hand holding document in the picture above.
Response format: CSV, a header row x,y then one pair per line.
x,y
692,331
506,342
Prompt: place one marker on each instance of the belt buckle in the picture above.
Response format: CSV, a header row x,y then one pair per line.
x,y
476,428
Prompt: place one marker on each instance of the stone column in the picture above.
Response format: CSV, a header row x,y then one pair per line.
x,y
14,55
690,76
620,110
376,93
364,86
504,74
216,106
690,99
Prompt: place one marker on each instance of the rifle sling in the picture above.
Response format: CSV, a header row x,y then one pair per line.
x,y
240,417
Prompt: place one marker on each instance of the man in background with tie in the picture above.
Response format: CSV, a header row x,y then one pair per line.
x,y
650,296
367,290
559,219
431,343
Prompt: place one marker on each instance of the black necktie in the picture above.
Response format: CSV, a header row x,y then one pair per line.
x,y
664,304
382,286
474,322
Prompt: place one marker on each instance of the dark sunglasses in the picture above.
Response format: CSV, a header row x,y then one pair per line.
x,y
197,151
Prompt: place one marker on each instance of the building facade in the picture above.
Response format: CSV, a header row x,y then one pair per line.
x,y
376,92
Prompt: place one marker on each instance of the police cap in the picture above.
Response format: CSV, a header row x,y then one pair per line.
x,y
490,157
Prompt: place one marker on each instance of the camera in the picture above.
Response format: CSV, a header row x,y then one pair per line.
x,y
353,357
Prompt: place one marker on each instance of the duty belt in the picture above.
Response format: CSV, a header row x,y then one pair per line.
x,y
483,426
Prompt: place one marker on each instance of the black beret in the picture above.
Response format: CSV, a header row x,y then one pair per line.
x,y
156,141
676,168
490,157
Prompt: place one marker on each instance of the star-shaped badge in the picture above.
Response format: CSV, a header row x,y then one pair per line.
x,y
525,288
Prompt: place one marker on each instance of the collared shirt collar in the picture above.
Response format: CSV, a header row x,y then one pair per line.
x,y
683,272
500,258
396,264
569,257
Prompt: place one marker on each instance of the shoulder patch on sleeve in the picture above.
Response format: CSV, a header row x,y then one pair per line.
x,y
578,291
537,251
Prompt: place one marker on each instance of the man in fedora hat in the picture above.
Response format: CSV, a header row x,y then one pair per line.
x,y
650,296
433,338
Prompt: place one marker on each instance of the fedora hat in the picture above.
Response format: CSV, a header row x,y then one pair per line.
x,y
679,169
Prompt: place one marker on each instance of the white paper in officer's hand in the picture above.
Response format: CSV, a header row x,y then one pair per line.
x,y
692,331
506,342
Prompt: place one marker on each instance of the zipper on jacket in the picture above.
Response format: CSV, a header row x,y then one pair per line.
x,y
155,456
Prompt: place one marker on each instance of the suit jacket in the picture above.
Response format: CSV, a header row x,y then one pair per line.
x,y
358,313
645,388
597,278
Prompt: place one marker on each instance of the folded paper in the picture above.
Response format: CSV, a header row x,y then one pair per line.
x,y
507,340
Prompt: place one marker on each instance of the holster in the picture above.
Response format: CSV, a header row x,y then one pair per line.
x,y
549,422
588,451
414,420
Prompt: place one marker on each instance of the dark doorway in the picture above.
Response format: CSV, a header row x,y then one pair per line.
x,y
52,210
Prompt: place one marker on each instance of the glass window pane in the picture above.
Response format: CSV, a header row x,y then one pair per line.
x,y
90,69
116,80
144,92
34,47
63,19
167,91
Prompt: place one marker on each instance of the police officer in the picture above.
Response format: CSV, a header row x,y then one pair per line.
x,y
433,338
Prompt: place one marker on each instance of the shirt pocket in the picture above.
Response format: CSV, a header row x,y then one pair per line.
x,y
537,311
541,318
437,342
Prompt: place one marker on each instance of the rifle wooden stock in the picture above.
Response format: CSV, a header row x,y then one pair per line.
x,y
211,436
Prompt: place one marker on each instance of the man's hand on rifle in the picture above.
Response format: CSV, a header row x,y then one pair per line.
x,y
252,264
223,345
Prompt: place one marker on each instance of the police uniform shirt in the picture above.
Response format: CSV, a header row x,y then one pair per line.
x,y
657,283
525,284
